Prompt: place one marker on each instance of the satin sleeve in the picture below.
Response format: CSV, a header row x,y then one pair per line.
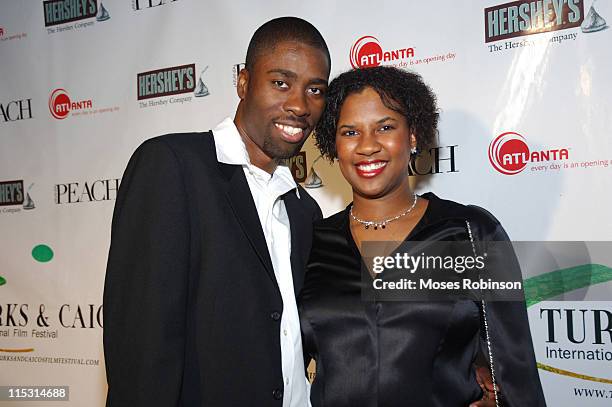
x,y
310,353
514,360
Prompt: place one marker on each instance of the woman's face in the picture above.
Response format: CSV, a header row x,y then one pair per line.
x,y
373,144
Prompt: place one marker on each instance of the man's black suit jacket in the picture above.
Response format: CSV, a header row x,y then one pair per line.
x,y
192,309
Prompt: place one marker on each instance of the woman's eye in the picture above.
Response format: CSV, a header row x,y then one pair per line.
x,y
386,127
350,133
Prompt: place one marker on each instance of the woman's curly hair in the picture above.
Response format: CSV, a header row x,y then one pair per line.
x,y
402,91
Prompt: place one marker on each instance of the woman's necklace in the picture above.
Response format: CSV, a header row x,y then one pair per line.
x,y
383,223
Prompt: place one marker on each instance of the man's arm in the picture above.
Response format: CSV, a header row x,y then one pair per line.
x,y
145,291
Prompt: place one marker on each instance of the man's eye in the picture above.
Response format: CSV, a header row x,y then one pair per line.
x,y
316,91
280,84
386,127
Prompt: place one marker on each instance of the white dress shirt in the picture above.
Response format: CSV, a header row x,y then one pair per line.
x,y
266,190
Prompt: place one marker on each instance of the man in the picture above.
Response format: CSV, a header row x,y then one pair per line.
x,y
209,241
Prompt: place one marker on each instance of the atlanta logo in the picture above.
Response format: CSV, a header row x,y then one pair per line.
x,y
367,52
509,153
60,104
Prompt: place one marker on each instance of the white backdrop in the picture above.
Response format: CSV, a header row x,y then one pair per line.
x,y
60,163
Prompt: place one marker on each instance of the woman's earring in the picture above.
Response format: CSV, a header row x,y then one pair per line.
x,y
414,151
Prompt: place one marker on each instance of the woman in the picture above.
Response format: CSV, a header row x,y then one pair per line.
x,y
408,353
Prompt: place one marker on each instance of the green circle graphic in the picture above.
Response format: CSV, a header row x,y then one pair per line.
x,y
2,280
42,253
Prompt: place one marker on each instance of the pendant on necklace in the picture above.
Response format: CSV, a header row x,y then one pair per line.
x,y
382,224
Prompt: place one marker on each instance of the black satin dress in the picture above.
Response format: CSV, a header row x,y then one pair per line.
x,y
408,353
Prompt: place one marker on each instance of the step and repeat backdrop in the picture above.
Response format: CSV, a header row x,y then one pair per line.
x,y
525,91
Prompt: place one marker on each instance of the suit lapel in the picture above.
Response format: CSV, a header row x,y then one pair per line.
x,y
299,225
241,201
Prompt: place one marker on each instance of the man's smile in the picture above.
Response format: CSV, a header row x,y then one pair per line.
x,y
289,133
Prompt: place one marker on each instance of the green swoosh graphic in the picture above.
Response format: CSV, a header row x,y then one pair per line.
x,y
554,283
2,280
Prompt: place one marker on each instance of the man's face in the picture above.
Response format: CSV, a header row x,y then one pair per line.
x,y
282,98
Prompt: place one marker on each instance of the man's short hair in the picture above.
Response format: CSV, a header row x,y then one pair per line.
x,y
282,29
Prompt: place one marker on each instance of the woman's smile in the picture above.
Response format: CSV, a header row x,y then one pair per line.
x,y
369,169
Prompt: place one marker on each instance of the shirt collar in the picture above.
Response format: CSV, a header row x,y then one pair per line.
x,y
229,146
230,149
